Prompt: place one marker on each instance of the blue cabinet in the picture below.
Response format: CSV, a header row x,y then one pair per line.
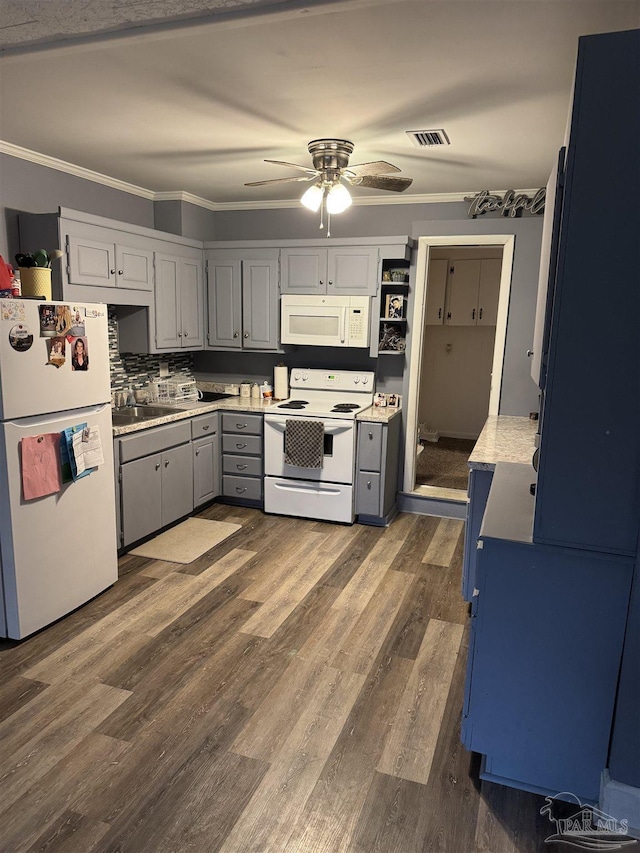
x,y
547,635
478,492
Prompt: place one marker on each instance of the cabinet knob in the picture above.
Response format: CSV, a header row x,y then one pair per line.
x,y
197,453
370,435
246,334
179,334
235,334
120,272
330,284
166,463
157,465
321,282
112,272
529,353
448,315
368,484
186,334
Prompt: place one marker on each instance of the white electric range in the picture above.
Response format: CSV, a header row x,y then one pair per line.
x,y
325,491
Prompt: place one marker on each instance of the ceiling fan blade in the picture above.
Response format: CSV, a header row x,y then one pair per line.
x,y
278,181
293,166
378,167
381,182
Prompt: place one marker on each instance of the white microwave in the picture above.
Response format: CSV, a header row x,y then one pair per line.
x,y
325,321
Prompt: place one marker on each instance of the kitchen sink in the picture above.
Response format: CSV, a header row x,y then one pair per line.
x,y
136,414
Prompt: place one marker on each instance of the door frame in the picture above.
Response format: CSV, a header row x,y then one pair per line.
x,y
507,241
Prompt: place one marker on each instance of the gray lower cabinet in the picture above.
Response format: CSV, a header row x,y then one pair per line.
x,y
206,458
155,479
242,466
377,471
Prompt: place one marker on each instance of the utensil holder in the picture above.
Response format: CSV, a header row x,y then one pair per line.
x,y
36,281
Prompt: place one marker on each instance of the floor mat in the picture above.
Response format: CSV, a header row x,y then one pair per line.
x,y
185,542
444,463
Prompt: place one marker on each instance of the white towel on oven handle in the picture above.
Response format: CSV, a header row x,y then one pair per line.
x,y
304,443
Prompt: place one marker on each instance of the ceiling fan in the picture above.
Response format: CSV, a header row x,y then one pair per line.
x,y
331,173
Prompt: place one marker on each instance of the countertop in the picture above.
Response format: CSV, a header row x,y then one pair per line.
x,y
504,438
236,404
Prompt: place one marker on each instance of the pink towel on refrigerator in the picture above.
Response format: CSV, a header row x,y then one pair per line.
x,y
40,465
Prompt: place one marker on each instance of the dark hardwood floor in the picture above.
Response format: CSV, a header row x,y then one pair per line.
x,y
298,688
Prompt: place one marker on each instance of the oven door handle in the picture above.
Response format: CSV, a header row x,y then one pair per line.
x,y
330,429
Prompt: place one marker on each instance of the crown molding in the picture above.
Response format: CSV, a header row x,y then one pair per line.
x,y
71,169
179,195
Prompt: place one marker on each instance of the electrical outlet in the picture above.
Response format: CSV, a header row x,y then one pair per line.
x,y
164,369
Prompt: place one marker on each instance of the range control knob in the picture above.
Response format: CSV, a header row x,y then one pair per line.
x,y
356,380
365,380
296,376
305,376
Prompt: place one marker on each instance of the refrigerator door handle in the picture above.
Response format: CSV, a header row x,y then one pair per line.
x,y
32,423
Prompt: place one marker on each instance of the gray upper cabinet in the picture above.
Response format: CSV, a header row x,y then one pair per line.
x,y
242,299
107,264
178,303
112,262
342,270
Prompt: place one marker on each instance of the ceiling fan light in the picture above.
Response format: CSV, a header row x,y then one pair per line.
x,y
312,199
338,199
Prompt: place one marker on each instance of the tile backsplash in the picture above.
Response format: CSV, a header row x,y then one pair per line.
x,y
131,369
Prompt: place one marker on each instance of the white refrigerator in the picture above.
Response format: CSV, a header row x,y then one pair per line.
x,y
56,551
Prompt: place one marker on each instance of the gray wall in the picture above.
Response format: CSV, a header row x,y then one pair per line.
x,y
28,187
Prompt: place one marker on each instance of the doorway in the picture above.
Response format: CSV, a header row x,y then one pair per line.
x,y
463,285
459,361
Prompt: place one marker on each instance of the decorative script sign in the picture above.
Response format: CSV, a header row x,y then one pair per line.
x,y
509,204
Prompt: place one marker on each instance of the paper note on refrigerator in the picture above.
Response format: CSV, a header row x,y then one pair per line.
x,y
87,449
40,464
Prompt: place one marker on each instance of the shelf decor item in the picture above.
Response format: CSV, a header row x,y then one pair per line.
x,y
394,307
391,340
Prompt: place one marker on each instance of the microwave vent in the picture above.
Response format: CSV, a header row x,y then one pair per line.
x,y
428,138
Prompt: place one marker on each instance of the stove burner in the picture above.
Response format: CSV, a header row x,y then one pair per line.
x,y
345,407
294,404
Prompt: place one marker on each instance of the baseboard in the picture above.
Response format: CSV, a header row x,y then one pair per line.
x,y
621,802
443,507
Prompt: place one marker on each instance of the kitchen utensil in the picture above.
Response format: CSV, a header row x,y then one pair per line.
x,y
53,256
41,258
25,261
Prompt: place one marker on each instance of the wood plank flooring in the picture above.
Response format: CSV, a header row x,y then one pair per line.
x,y
298,688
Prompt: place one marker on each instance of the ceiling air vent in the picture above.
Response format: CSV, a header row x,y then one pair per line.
x,y
428,138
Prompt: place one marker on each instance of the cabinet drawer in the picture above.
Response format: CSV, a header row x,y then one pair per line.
x,y
368,494
247,488
370,447
242,423
204,425
247,466
245,444
154,440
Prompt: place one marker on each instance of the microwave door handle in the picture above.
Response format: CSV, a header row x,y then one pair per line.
x,y
343,322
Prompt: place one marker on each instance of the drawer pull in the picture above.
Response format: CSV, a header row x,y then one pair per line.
x,y
240,446
241,467
206,427
241,426
241,489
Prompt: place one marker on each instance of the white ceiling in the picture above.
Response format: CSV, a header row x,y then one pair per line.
x,y
196,106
